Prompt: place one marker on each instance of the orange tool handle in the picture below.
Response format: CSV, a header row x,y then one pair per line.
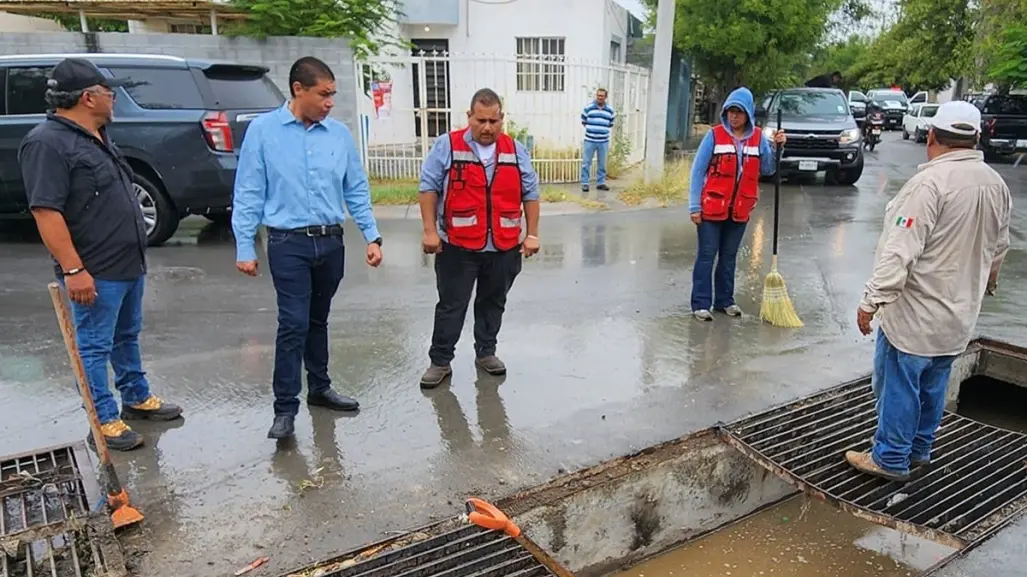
x,y
485,514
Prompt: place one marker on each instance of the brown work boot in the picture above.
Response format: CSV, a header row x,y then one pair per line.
x,y
491,365
153,408
119,436
434,376
864,462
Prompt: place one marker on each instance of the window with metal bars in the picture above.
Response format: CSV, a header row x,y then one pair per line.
x,y
540,64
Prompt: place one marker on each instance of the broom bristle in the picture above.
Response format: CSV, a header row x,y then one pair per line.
x,y
776,307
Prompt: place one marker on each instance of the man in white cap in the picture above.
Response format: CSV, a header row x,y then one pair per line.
x,y
945,235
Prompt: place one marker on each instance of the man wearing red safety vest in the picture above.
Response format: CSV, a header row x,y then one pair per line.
x,y
474,183
724,189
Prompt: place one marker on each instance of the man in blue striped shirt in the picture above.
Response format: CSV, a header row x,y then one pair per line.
x,y
597,118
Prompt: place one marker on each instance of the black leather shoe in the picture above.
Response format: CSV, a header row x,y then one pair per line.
x,y
282,428
332,400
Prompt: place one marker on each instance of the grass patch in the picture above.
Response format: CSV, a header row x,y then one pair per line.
x,y
394,192
669,190
554,194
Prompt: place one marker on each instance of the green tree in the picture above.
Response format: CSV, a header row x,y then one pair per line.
x,y
368,24
842,56
931,44
1009,61
761,44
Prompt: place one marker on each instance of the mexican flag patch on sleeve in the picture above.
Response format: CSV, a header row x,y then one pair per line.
x,y
904,221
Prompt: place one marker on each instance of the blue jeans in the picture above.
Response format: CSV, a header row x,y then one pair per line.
x,y
598,149
107,332
910,393
306,271
717,240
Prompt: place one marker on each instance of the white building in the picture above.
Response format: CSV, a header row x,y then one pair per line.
x,y
545,58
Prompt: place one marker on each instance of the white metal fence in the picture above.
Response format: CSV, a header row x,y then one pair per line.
x,y
406,102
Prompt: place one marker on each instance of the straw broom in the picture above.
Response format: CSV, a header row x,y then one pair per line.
x,y
776,307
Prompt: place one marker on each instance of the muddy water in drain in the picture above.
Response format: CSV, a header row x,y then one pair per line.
x,y
797,538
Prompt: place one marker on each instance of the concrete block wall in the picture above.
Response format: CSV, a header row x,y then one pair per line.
x,y
277,53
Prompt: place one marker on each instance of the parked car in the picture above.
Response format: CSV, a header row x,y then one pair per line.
x,y
858,105
893,103
914,123
822,134
1003,124
179,123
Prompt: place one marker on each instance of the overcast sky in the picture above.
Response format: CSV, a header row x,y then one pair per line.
x,y
635,7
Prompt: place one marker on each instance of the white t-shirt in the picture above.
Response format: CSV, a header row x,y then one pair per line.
x,y
485,153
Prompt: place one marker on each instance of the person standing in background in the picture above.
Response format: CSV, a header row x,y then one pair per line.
x,y
597,118
81,195
298,168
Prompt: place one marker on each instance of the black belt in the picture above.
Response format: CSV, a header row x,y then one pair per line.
x,y
316,230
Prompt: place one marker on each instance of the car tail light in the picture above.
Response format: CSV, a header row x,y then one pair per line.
x,y
991,127
217,131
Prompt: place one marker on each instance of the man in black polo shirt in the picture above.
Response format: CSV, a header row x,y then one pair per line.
x,y
80,193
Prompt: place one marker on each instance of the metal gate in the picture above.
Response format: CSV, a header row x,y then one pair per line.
x,y
47,523
975,484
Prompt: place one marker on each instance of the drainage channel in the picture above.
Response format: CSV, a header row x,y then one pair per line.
x,y
452,548
46,524
976,483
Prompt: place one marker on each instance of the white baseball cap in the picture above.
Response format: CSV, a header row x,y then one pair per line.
x,y
958,117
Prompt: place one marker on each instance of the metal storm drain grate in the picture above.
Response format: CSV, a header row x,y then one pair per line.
x,y
46,526
975,484
453,548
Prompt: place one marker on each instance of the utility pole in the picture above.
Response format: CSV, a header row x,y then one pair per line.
x,y
659,90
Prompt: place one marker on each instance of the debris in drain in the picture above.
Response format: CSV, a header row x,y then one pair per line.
x,y
47,526
256,563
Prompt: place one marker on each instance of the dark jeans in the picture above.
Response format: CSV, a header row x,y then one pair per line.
x,y
456,272
306,272
910,392
718,240
107,332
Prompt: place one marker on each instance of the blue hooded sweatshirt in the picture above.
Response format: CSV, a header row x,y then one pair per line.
x,y
701,163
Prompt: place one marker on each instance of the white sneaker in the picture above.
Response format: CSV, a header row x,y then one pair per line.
x,y
703,315
733,311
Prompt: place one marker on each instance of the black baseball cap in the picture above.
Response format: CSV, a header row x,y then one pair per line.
x,y
73,74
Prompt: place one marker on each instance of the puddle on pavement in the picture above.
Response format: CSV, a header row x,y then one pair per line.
x,y
797,538
994,402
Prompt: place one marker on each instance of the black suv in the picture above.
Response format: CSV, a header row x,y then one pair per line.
x,y
179,122
822,134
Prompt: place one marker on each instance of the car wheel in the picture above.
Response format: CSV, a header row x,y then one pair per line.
x,y
159,217
905,135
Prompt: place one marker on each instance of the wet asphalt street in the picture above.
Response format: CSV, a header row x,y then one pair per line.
x,y
604,359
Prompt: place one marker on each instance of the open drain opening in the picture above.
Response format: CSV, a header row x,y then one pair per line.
x,y
995,402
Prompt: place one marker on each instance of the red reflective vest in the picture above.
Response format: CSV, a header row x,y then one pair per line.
x,y
474,207
723,195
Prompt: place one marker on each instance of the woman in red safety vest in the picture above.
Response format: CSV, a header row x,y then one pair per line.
x,y
723,191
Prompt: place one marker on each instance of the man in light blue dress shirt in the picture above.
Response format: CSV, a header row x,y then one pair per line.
x,y
297,168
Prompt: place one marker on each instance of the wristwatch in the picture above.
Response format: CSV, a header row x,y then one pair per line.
x,y
377,241
74,271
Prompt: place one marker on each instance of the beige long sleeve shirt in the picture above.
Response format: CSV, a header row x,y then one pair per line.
x,y
945,233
